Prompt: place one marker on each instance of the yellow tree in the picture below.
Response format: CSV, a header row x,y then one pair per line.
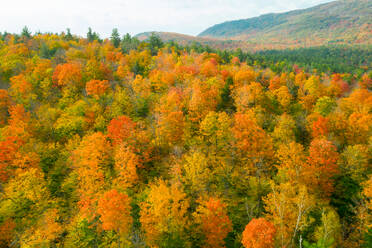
x,y
163,212
215,132
292,160
283,96
170,118
196,171
126,164
248,96
287,206
27,188
44,232
284,130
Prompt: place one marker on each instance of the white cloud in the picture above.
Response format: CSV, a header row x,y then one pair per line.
x,y
134,16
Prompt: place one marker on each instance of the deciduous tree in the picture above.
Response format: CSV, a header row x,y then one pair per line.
x,y
215,224
259,233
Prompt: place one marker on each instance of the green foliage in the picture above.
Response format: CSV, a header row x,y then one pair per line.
x,y
26,33
155,43
367,238
92,36
115,37
68,35
336,59
128,43
325,105
83,236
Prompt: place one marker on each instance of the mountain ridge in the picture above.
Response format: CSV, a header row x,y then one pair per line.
x,y
343,21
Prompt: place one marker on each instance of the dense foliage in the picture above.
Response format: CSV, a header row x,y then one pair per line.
x,y
122,143
336,59
355,60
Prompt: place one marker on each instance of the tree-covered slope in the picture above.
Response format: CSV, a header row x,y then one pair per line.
x,y
345,21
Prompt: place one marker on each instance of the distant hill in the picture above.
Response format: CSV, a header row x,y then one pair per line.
x,y
168,36
183,39
338,22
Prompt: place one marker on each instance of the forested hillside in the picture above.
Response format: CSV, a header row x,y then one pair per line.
x,y
355,60
123,143
337,22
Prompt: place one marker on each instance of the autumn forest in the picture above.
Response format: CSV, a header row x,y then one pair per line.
x,y
125,143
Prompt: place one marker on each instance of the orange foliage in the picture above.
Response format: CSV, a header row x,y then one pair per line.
x,y
121,129
251,141
161,80
97,88
278,81
359,101
359,128
204,98
321,166
259,233
114,208
244,76
170,118
214,221
20,87
89,160
6,232
320,127
209,68
19,122
46,230
25,161
8,149
365,82
247,96
67,74
126,164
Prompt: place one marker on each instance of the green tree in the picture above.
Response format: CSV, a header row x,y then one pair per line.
x,y
68,35
91,36
155,43
115,37
26,33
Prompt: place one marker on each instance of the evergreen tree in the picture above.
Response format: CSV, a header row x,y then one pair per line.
x,y
68,35
26,33
155,43
115,37
90,36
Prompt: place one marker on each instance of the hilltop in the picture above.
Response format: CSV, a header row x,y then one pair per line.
x,y
338,22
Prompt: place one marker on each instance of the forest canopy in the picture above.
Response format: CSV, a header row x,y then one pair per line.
x,y
125,143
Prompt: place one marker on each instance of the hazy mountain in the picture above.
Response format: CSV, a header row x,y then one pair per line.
x,y
183,39
345,21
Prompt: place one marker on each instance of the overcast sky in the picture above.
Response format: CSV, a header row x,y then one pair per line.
x,y
134,16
